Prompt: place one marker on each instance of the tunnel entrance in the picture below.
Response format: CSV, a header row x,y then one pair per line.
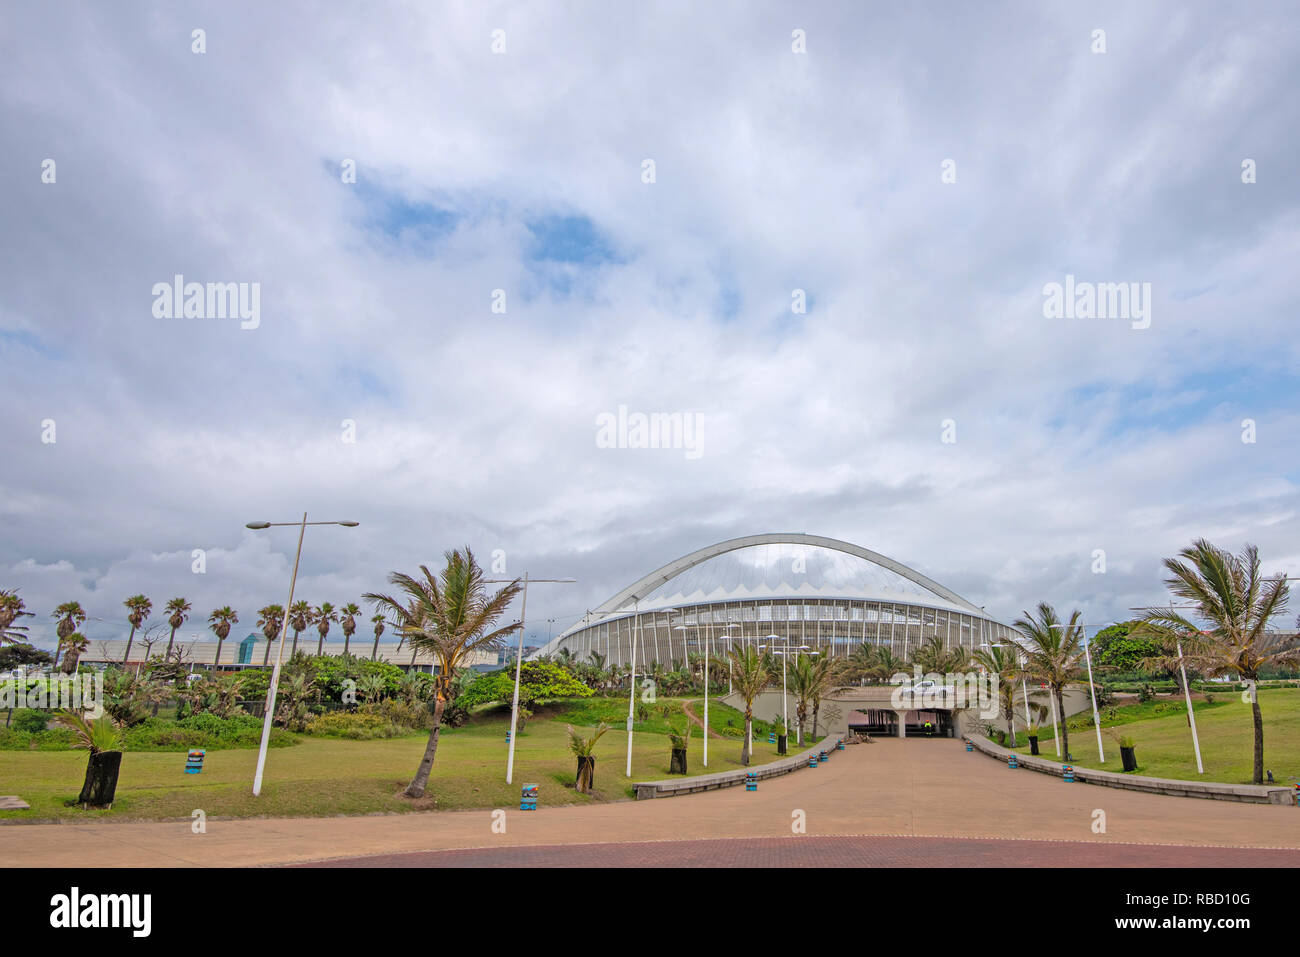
x,y
883,722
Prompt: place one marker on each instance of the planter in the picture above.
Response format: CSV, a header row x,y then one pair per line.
x,y
586,776
1033,744
101,779
782,741
1129,757
677,764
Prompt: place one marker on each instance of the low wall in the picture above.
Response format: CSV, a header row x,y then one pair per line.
x,y
1212,790
673,787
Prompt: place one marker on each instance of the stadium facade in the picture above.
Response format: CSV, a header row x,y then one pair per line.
x,y
811,591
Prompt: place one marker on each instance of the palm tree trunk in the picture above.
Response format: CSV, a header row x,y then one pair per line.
x,y
749,734
1060,712
417,787
346,639
170,641
266,658
295,643
1259,737
374,652
130,638
216,662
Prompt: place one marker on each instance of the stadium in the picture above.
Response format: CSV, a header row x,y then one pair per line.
x,y
811,591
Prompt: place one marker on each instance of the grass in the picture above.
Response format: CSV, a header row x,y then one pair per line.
x,y
1163,740
327,776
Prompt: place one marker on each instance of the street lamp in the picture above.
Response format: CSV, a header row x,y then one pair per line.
x,y
1187,691
279,652
784,653
1096,716
519,664
631,692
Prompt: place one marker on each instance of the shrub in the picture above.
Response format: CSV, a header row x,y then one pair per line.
x,y
30,721
357,725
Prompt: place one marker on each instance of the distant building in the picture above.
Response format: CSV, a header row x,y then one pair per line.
x,y
251,652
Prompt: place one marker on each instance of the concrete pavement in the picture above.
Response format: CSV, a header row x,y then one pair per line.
x,y
892,788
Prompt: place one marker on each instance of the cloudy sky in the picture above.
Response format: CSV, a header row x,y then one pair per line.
x,y
523,169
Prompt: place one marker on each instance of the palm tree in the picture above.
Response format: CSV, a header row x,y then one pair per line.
x,y
1053,652
220,621
348,622
75,644
138,608
299,614
801,678
1001,662
1227,593
321,618
270,619
450,615
582,747
178,609
378,621
749,678
821,684
70,615
11,609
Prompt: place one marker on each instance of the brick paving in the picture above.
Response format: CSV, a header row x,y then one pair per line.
x,y
921,790
843,851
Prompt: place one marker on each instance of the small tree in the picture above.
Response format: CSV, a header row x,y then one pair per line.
x,y
678,741
104,742
582,748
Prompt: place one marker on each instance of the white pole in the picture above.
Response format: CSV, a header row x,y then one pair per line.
x,y
275,672
1096,716
1187,690
631,694
706,694
519,664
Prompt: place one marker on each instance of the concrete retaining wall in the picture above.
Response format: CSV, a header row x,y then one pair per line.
x,y
726,779
1212,790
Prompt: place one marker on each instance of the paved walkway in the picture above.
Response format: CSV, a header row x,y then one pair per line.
x,y
847,851
892,788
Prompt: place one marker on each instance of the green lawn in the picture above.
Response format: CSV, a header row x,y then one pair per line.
x,y
1164,741
324,776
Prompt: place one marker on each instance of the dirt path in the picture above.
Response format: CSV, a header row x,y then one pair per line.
x,y
686,706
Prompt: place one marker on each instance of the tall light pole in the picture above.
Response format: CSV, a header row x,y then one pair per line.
x,y
784,653
1096,716
1187,691
631,694
519,663
279,651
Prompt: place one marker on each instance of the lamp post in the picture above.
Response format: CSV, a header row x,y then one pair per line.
x,y
631,693
1096,716
279,651
784,653
1187,692
519,664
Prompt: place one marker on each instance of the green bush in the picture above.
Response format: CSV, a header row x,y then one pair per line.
x,y
202,731
30,720
55,739
357,725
